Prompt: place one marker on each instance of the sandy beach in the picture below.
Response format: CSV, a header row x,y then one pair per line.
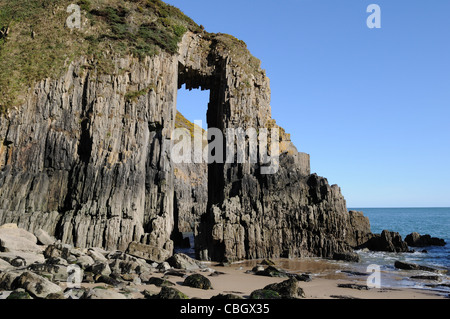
x,y
326,276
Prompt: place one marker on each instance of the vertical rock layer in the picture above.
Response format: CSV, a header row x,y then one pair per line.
x,y
87,159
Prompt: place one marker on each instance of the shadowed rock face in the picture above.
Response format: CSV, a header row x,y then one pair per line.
x,y
83,161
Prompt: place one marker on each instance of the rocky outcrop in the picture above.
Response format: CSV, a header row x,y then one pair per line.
x,y
387,241
359,229
412,266
416,240
86,158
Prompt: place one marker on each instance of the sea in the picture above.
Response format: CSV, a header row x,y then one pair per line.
x,y
432,221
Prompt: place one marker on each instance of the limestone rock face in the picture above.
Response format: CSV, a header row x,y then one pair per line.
x,y
87,159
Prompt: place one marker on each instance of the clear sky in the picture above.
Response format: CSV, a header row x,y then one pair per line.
x,y
371,106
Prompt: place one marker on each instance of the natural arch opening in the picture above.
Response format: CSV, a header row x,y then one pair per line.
x,y
191,179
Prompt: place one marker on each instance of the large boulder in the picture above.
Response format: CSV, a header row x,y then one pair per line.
x,y
171,293
416,240
387,241
287,289
36,285
198,281
183,261
55,272
271,271
58,250
148,252
28,257
14,239
44,238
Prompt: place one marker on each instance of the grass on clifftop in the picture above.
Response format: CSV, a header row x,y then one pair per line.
x,y
36,43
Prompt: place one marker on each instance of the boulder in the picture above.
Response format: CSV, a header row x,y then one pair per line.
x,y
347,256
416,240
265,294
19,294
28,257
171,293
198,281
267,262
145,276
387,241
101,268
427,277
17,239
412,266
302,277
163,267
85,261
96,254
7,279
183,261
4,265
272,271
103,293
110,280
18,262
57,272
43,237
56,261
57,250
287,289
353,286
134,278
258,268
36,285
147,252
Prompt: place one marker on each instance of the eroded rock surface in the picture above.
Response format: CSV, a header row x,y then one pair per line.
x,y
86,158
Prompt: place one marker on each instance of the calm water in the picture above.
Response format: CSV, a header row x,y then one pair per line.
x,y
432,221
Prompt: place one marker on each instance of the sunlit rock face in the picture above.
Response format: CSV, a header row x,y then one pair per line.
x,y
87,158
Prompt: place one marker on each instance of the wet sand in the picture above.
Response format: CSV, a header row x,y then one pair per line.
x,y
324,285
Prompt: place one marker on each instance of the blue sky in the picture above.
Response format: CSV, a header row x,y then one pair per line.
x,y
371,106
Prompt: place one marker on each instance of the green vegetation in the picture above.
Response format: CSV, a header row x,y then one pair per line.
x,y
39,44
36,42
238,51
182,122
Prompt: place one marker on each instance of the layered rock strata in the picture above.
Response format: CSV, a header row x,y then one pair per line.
x,y
87,159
